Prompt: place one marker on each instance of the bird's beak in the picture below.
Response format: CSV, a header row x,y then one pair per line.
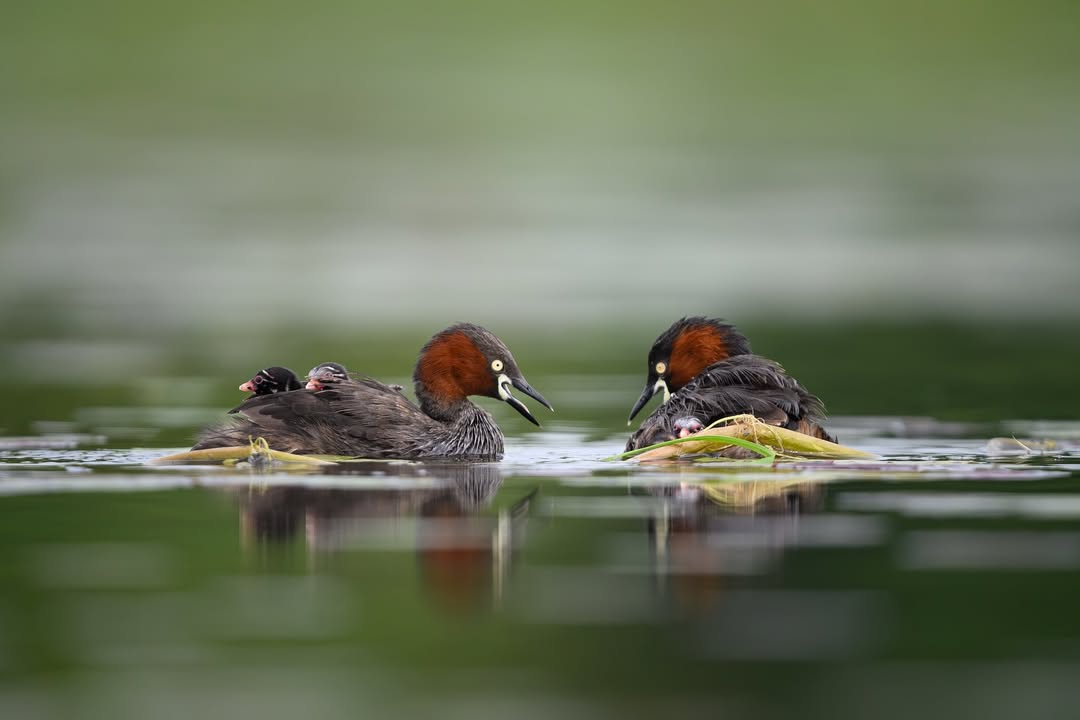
x,y
519,382
247,387
313,385
646,395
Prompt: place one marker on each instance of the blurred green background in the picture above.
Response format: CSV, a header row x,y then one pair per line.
x,y
882,195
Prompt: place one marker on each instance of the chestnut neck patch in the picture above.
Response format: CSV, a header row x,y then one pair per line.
x,y
451,368
695,348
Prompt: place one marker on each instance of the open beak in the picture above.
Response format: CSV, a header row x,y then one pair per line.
x,y
519,382
247,387
646,395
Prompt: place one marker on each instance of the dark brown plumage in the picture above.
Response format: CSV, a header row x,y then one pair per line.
x,y
271,380
325,374
362,417
706,370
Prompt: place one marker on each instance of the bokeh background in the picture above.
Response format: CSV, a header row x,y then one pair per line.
x,y
882,195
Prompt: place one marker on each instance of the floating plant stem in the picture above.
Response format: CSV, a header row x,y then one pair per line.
x,y
767,453
749,432
236,453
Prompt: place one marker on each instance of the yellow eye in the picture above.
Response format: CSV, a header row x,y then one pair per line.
x,y
660,368
497,365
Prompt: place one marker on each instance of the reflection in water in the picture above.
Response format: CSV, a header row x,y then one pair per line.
x,y
704,535
463,552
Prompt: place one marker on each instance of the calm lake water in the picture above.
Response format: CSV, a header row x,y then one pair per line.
x,y
883,200
943,578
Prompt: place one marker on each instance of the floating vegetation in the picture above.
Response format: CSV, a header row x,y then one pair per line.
x,y
699,443
1014,446
258,455
769,442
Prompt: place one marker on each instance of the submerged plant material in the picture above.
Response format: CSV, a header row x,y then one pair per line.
x,y
746,431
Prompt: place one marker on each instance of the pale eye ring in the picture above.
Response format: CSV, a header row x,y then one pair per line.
x,y
660,368
497,365
259,379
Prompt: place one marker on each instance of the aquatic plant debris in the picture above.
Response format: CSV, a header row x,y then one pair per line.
x,y
771,442
258,449
259,457
694,444
1016,446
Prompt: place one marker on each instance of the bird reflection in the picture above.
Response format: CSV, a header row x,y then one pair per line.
x,y
706,538
463,549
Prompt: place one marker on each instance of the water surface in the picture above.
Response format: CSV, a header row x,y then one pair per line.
x,y
550,583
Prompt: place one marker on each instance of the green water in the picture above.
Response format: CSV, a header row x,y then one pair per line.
x,y
940,581
882,197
